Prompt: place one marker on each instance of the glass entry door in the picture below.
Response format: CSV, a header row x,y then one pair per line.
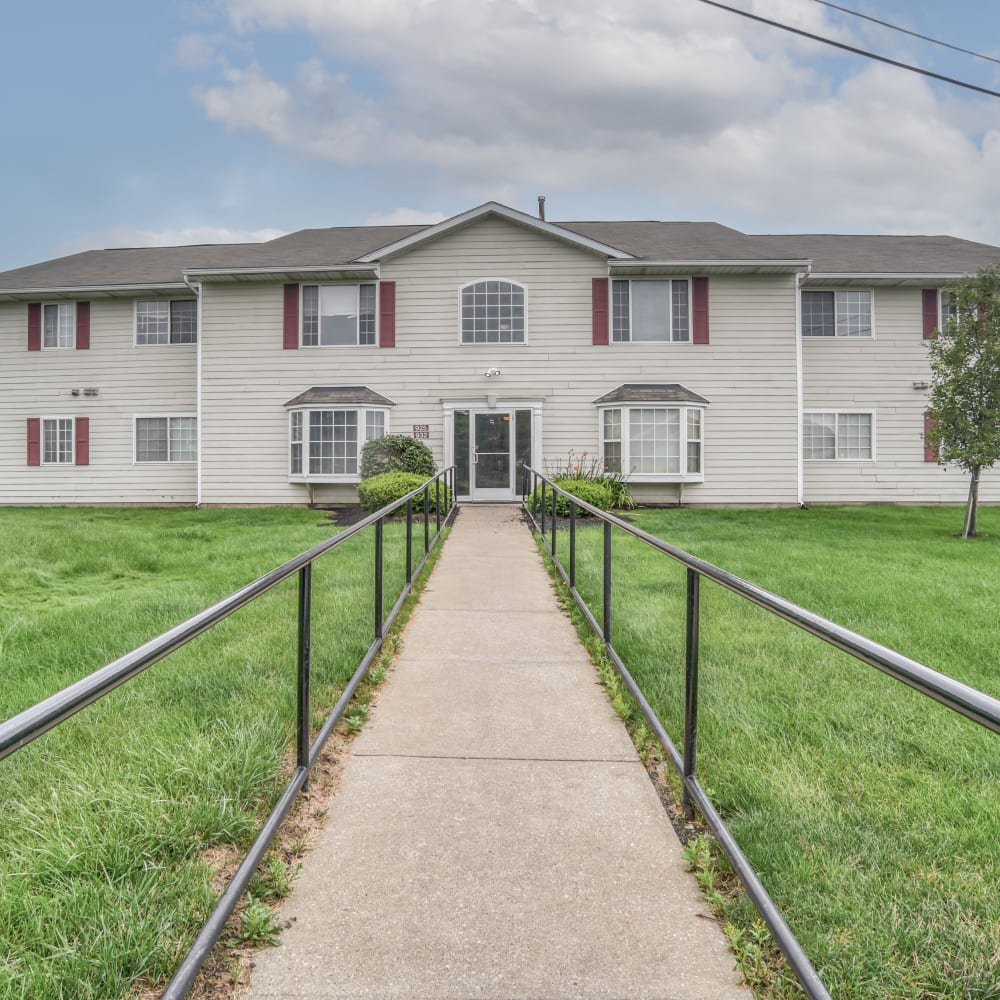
x,y
490,448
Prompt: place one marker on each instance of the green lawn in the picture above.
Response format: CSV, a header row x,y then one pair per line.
x,y
872,813
105,820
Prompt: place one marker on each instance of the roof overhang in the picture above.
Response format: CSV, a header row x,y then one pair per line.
x,y
338,272
93,292
859,279
493,208
649,392
339,395
650,268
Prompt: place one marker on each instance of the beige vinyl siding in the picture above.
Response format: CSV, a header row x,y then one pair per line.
x,y
747,372
130,381
852,374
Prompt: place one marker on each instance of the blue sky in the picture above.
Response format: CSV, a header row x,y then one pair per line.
x,y
226,120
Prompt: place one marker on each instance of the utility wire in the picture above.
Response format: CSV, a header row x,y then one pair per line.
x,y
906,31
852,48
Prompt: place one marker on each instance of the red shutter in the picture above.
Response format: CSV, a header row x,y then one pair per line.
x,y
34,326
387,314
931,321
291,339
83,327
81,440
930,452
34,441
600,310
699,310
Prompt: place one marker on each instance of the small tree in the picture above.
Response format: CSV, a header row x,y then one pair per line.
x,y
965,382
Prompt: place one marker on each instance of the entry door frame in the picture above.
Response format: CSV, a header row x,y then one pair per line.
x,y
483,405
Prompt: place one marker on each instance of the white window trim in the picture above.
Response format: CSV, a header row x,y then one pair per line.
x,y
160,416
836,336
168,342
654,477
490,343
349,477
871,413
669,342
68,347
41,440
940,310
356,285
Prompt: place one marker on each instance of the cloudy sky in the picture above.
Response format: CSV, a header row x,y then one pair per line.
x,y
139,123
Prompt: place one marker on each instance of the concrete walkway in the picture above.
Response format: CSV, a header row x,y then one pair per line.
x,y
495,835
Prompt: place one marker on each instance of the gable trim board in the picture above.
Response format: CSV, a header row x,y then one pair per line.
x,y
754,365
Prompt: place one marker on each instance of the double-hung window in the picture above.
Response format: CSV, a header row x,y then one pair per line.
x,y
948,310
338,315
846,437
653,442
647,311
328,442
58,325
493,312
57,441
162,321
166,439
844,313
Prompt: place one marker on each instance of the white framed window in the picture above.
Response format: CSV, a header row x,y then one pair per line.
x,y
166,439
841,437
654,443
651,311
57,441
338,315
493,312
946,310
325,443
58,325
166,321
843,313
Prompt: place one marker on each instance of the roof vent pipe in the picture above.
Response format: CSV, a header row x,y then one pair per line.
x,y
541,207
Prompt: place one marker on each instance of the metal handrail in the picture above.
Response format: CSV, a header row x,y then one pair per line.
x,y
21,729
961,698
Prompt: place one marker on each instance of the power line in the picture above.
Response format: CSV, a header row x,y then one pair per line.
x,y
906,31
852,48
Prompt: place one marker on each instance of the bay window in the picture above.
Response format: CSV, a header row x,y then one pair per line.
x,y
653,443
327,442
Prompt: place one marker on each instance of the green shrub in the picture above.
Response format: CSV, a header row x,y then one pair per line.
x,y
376,492
396,453
592,491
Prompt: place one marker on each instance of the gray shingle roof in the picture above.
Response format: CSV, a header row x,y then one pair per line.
x,y
632,392
340,395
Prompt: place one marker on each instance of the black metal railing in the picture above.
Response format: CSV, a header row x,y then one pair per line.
x,y
967,701
20,730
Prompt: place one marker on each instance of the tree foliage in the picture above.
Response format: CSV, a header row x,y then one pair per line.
x,y
965,382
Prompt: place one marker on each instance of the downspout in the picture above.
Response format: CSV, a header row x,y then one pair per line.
x,y
799,401
196,288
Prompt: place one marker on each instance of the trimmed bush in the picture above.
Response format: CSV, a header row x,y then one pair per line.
x,y
397,453
592,491
376,492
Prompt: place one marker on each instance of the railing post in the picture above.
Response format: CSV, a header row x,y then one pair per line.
x,y
555,512
305,641
691,684
607,583
427,521
437,503
409,540
378,579
543,508
572,544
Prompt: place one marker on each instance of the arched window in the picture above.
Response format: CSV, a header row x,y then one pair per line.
x,y
493,313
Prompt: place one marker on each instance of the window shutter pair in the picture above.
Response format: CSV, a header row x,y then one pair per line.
x,y
35,326
699,310
81,441
386,324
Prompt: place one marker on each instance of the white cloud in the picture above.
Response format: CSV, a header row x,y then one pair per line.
x,y
405,217
685,103
127,236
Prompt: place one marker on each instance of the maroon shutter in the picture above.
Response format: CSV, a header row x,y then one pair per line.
x,y
930,451
34,441
699,310
83,327
81,440
931,321
34,326
387,314
291,338
600,310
